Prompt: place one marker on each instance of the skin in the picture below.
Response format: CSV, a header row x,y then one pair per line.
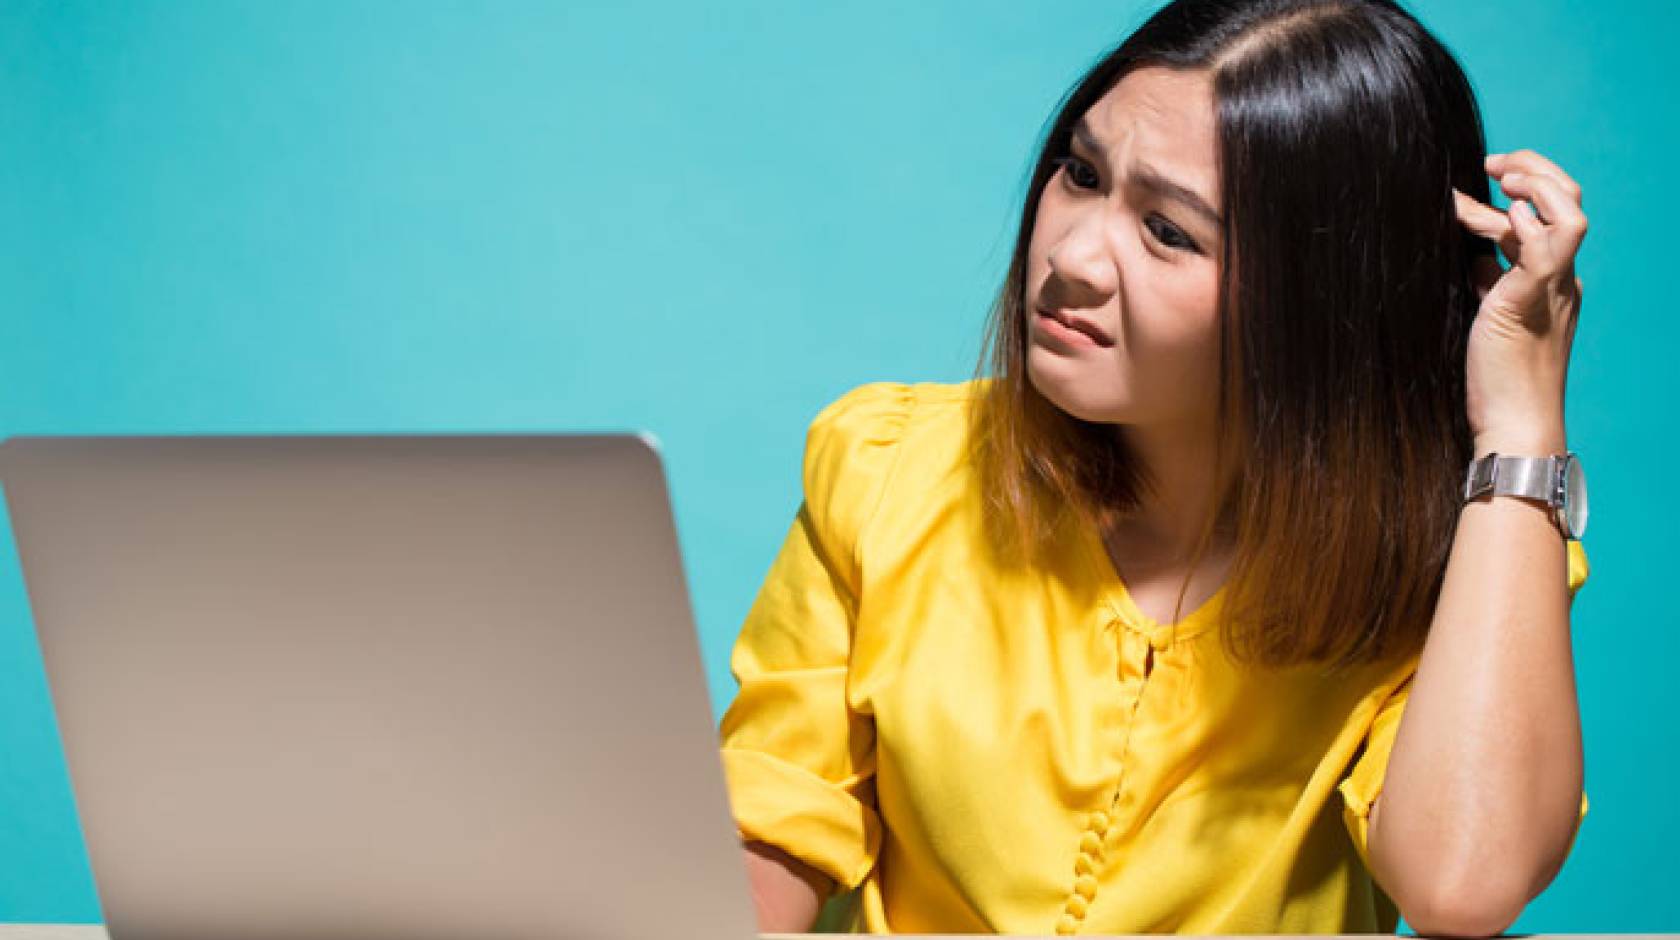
x,y
1143,266
1482,789
787,893
1122,257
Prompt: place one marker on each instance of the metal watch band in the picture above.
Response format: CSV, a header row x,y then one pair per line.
x,y
1534,477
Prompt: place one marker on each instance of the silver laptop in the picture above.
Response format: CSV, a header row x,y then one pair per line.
x,y
378,687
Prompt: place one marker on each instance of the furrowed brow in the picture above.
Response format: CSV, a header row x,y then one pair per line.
x,y
1151,179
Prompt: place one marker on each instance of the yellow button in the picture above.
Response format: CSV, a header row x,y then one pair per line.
x,y
1067,925
1090,844
1077,906
1099,822
1084,865
1086,886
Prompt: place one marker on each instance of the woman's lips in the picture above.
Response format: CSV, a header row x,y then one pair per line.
x,y
1071,331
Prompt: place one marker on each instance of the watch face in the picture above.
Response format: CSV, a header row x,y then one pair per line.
x,y
1575,496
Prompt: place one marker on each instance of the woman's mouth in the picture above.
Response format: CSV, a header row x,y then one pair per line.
x,y
1070,331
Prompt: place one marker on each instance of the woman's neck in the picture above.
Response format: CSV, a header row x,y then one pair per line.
x,y
1179,461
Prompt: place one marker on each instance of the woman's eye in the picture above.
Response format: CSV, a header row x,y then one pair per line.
x,y
1074,166
1169,234
1081,176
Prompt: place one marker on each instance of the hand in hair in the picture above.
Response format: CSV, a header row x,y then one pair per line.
x,y
1519,344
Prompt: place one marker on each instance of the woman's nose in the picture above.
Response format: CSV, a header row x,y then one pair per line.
x,y
1083,258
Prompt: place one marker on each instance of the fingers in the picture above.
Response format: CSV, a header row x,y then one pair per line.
x,y
1488,222
1480,217
1565,223
1530,232
1530,163
1539,233
1549,195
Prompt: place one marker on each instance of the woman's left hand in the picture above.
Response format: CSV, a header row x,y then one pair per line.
x,y
1519,343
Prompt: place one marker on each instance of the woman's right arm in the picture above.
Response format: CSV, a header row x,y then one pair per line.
x,y
787,893
798,757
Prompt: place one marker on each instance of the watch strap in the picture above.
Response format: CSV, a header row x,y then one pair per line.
x,y
1534,477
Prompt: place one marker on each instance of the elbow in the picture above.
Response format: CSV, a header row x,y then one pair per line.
x,y
1467,923
1465,908
1456,892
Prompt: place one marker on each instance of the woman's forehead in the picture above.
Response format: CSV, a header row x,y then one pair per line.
x,y
1161,117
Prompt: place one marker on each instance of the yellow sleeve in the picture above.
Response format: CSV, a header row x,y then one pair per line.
x,y
798,759
1361,787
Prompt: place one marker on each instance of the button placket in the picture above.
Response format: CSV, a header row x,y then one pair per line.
x,y
1084,891
1137,661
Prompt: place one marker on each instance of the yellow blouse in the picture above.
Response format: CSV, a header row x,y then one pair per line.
x,y
974,749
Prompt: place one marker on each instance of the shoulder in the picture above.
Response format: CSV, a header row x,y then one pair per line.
x,y
877,433
888,407
884,415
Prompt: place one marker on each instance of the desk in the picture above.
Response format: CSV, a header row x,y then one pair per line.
x,y
97,932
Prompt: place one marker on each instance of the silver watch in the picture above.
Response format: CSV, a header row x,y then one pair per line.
x,y
1556,480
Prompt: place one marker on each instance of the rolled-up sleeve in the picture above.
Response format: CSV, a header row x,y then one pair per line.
x,y
1363,784
798,758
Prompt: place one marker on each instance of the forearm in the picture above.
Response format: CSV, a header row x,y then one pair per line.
x,y
1483,787
787,893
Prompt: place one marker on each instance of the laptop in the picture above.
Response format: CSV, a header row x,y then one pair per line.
x,y
370,687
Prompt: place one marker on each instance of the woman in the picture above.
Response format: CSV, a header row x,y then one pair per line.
x,y
1251,338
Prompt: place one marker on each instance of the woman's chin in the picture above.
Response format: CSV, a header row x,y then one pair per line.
x,y
1084,396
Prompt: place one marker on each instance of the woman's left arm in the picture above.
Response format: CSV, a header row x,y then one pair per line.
x,y
1483,788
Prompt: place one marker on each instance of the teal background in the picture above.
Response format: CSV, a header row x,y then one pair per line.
x,y
706,221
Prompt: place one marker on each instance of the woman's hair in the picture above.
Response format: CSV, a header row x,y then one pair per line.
x,y
1342,128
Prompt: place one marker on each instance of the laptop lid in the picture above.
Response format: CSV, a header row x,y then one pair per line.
x,y
378,686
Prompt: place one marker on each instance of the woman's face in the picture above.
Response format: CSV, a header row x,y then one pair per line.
x,y
1127,239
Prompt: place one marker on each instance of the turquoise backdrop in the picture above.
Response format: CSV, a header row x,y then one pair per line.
x,y
706,220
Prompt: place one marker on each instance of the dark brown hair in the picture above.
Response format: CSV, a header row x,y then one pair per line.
x,y
1342,128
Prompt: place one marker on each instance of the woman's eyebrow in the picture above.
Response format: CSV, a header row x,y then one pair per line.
x,y
1151,179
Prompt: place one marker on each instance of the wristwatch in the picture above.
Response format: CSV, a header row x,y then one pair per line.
x,y
1556,480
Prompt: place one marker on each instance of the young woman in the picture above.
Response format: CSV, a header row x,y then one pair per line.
x,y
1251,340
